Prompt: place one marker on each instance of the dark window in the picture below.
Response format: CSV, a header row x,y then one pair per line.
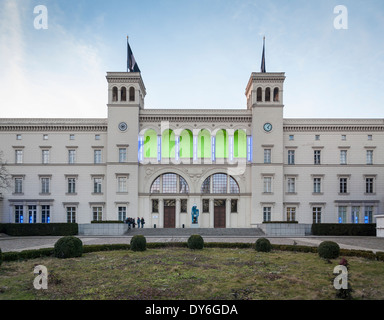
x,y
233,205
131,94
259,95
268,94
205,205
155,205
123,94
183,205
114,94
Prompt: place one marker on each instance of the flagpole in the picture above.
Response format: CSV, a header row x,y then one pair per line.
x,y
127,54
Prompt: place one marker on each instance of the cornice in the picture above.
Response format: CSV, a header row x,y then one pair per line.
x,y
49,125
333,125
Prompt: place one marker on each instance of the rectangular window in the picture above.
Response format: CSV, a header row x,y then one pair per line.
x,y
122,154
267,213
369,156
155,205
19,156
183,205
32,214
317,185
71,185
317,156
233,205
122,213
342,214
343,156
71,137
291,156
97,213
291,214
97,137
267,184
97,156
291,137
291,185
343,137
343,185
205,205
45,185
267,155
45,214
45,137
368,185
71,214
71,156
316,214
355,212
18,185
45,156
19,214
317,137
368,214
18,137
122,184
97,185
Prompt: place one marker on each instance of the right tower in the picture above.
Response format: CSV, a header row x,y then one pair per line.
x,y
264,94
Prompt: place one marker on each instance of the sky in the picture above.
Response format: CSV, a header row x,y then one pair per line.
x,y
193,54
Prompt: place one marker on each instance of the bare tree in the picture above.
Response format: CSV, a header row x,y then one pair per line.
x,y
5,177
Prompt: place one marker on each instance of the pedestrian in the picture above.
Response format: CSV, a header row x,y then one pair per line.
x,y
129,223
138,222
142,222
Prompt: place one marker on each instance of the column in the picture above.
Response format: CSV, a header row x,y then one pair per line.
x,y
211,213
160,220
177,213
195,141
228,214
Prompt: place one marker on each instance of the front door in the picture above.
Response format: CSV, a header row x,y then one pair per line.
x,y
169,213
219,214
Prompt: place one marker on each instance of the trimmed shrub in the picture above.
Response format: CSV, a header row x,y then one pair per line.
x,y
263,245
39,229
328,250
138,243
195,242
344,229
68,247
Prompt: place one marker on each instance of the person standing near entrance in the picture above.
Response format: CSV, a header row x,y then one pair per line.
x,y
138,222
142,222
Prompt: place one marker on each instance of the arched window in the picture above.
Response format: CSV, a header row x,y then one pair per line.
x,y
268,94
221,144
221,183
123,94
150,144
240,144
259,95
276,94
168,144
169,183
186,144
131,94
204,144
114,94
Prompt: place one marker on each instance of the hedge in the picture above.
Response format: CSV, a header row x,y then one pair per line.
x,y
39,229
344,229
47,252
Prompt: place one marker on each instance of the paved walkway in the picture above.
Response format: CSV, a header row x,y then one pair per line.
x,y
374,244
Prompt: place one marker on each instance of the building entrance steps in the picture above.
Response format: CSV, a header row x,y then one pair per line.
x,y
182,232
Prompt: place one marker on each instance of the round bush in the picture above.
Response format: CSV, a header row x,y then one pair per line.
x,y
195,242
328,250
68,247
263,245
138,243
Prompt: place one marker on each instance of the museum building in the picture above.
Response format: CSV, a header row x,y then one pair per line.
x,y
239,167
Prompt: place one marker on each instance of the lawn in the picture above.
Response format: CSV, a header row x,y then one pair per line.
x,y
183,274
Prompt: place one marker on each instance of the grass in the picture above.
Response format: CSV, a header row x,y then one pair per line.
x,y
182,274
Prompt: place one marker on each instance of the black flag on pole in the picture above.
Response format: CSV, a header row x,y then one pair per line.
x,y
263,69
132,65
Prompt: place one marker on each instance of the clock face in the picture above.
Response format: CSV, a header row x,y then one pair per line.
x,y
123,126
268,127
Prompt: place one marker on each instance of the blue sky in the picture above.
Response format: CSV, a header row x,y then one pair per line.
x,y
192,54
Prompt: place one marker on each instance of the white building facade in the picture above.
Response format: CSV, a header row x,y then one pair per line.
x,y
240,167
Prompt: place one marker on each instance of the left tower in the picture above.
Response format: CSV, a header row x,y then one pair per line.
x,y
126,93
